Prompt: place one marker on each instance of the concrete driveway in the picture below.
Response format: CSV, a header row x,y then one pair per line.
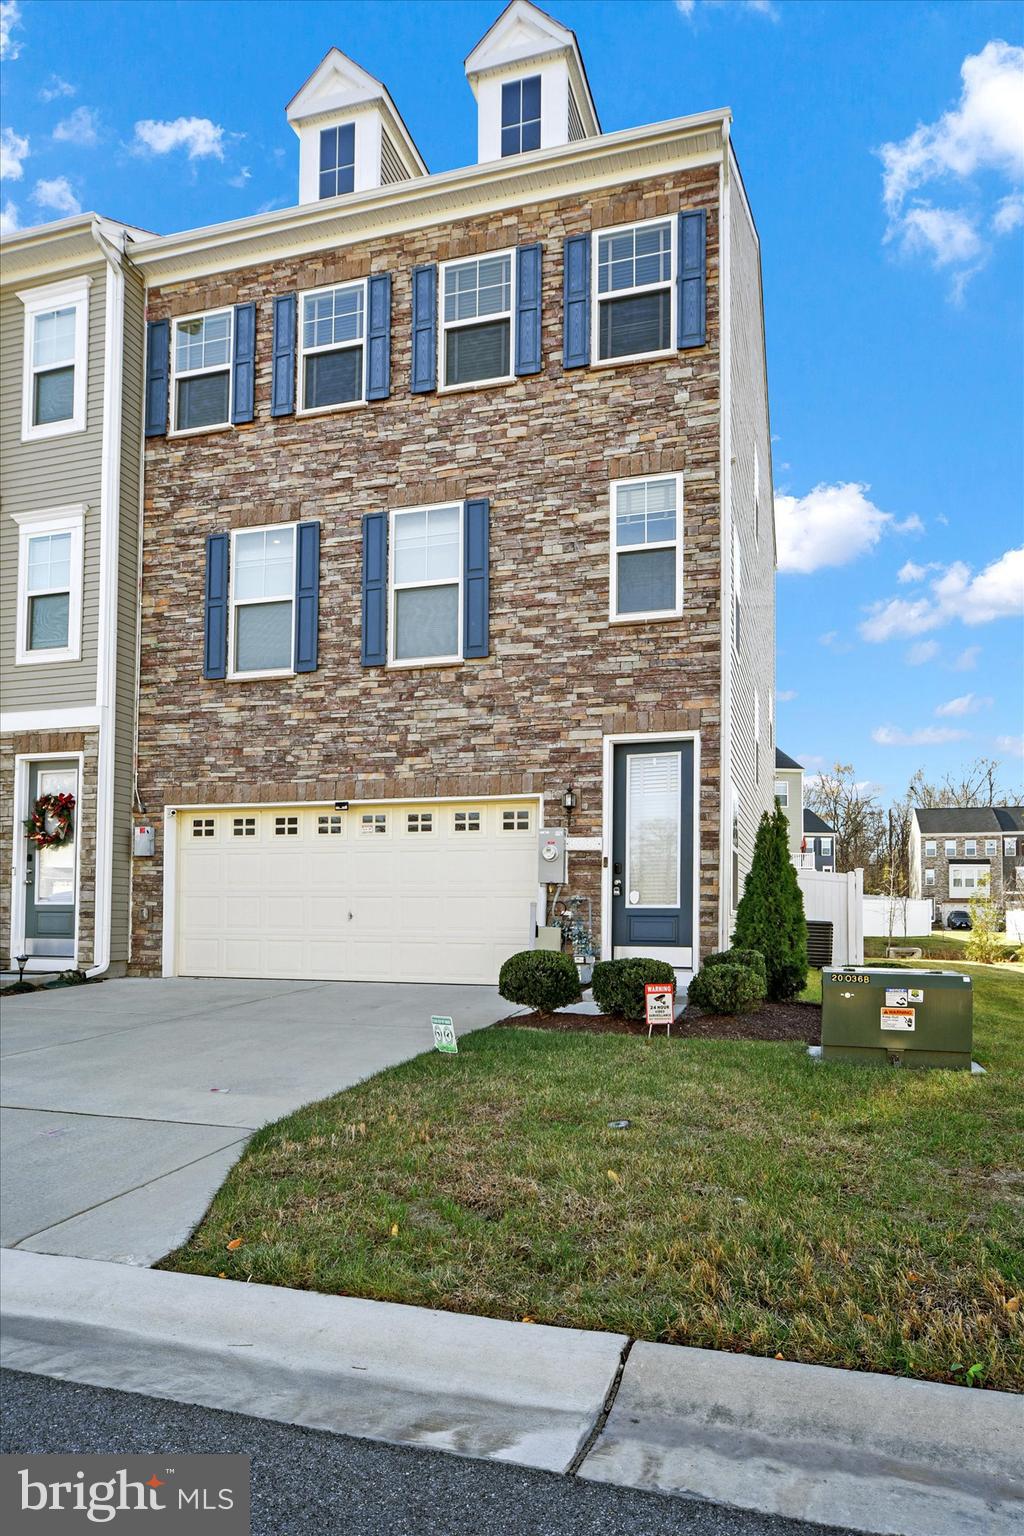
x,y
125,1104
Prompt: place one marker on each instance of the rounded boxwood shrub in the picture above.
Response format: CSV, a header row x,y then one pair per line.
x,y
751,958
725,988
618,985
544,979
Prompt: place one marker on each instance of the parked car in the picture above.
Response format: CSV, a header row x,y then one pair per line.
x,y
958,919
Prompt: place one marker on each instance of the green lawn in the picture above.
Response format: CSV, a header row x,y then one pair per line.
x,y
948,945
854,1216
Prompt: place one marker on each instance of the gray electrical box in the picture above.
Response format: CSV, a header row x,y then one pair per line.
x,y
552,868
143,840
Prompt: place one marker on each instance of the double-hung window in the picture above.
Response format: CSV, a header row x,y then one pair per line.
x,y
950,847
634,304
990,847
1009,847
262,622
476,320
201,388
55,355
426,584
826,847
929,849
332,347
337,160
782,792
970,847
520,116
647,548
49,605
929,877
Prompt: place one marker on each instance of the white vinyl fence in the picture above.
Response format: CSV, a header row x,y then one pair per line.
x,y
1015,924
834,908
897,915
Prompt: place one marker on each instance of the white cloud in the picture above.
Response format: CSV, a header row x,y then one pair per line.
x,y
967,659
79,128
966,704
686,7
832,641
13,150
55,88
925,736
1013,745
757,7
240,180
10,17
9,220
196,134
984,132
56,194
997,592
921,652
911,571
831,525
1009,215
785,695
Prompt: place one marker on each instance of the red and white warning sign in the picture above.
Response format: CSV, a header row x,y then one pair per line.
x,y
659,1003
897,1018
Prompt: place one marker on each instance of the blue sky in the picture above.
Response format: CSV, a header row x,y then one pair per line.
x,y
893,278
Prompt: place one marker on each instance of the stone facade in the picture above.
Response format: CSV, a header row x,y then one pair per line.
x,y
962,850
532,716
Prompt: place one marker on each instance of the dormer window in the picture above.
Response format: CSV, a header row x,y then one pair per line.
x,y
520,116
337,160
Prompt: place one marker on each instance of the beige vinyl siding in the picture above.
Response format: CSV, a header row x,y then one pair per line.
x,y
127,600
52,472
753,670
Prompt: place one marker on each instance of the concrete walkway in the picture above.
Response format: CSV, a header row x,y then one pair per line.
x,y
125,1103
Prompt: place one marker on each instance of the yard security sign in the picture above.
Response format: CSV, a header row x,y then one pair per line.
x,y
659,999
444,1034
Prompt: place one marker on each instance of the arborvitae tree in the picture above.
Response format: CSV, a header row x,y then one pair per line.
x,y
770,916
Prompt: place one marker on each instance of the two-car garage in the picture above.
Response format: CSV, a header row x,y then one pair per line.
x,y
392,891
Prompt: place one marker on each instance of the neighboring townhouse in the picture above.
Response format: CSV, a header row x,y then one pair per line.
x,y
72,336
819,841
459,542
956,852
789,793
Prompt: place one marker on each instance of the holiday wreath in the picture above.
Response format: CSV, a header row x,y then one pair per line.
x,y
55,810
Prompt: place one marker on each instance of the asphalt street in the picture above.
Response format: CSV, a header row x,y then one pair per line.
x,y
305,1481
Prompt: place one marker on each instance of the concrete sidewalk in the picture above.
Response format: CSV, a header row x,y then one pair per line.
x,y
875,1453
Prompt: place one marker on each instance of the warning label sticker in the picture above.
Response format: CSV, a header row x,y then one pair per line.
x,y
897,1018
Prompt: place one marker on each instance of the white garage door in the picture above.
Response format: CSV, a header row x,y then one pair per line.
x,y
415,891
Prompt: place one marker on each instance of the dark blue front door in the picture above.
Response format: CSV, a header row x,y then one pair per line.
x,y
652,850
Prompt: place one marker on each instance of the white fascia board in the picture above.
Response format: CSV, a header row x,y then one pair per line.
x,y
586,165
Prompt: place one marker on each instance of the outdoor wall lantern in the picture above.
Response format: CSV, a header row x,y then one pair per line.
x,y
569,799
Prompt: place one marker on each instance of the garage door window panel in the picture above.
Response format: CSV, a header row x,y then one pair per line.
x,y
262,601
426,585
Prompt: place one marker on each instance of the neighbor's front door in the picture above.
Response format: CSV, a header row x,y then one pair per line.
x,y
50,872
652,851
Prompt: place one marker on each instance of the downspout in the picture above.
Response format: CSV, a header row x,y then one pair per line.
x,y
106,640
726,895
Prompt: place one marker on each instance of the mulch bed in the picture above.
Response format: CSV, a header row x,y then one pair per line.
x,y
772,1021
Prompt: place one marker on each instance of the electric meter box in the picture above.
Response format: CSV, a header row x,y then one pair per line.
x,y
918,1018
143,840
551,856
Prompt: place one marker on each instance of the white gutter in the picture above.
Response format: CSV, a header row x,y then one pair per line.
x,y
106,641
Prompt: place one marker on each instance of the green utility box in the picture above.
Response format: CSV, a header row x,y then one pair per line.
x,y
914,1018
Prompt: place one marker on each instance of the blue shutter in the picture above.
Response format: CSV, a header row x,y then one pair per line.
x,y
307,596
243,364
476,596
215,619
528,309
158,360
576,319
378,338
424,329
282,389
692,243
375,589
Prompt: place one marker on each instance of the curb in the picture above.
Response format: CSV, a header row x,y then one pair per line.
x,y
475,1386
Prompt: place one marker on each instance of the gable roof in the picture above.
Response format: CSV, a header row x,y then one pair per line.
x,y
814,824
783,761
523,31
339,83
970,818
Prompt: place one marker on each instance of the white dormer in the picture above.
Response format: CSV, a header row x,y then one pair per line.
x,y
351,137
527,75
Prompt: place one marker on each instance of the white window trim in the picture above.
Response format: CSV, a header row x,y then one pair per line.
x,y
197,373
39,301
949,848
930,848
971,847
303,352
246,602
408,586
30,524
1009,847
929,877
826,853
656,614
981,876
783,799
991,848
444,326
596,299
333,128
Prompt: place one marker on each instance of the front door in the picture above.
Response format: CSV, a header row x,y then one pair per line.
x,y
652,851
50,872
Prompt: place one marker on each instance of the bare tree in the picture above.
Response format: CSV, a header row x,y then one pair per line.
x,y
977,784
852,812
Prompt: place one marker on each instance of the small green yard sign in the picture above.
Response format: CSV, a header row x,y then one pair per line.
x,y
444,1034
